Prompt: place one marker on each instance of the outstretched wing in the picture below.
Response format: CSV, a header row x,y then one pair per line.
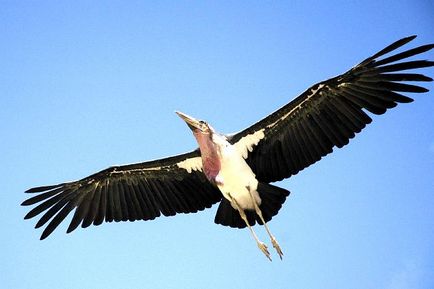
x,y
140,191
329,113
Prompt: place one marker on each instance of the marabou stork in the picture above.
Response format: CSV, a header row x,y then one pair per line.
x,y
236,169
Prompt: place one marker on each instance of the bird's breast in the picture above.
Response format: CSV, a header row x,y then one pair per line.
x,y
235,178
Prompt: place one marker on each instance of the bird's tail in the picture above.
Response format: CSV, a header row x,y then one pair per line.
x,y
272,200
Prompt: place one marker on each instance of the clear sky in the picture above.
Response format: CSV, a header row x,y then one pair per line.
x,y
89,84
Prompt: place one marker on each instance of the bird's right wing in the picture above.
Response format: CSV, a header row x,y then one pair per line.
x,y
329,114
140,191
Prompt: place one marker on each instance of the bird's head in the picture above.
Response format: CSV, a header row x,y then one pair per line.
x,y
197,126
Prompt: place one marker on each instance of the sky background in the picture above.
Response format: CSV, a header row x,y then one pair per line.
x,y
89,84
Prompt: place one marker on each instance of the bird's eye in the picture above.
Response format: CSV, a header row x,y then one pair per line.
x,y
202,124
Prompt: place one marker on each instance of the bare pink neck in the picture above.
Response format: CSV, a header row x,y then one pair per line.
x,y
210,158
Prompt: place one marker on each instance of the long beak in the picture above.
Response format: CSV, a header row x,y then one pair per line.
x,y
191,122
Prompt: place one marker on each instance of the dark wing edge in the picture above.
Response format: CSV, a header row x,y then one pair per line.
x,y
141,191
330,113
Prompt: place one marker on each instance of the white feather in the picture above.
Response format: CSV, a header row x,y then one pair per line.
x,y
191,164
235,176
248,142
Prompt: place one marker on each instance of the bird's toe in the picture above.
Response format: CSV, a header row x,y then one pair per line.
x,y
277,247
264,250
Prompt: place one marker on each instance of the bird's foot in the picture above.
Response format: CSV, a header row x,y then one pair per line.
x,y
277,247
264,250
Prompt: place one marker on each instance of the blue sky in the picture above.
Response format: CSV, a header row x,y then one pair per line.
x,y
88,84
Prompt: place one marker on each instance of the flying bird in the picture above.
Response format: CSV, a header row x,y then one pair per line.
x,y
235,170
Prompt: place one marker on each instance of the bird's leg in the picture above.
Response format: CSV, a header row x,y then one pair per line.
x,y
260,244
272,238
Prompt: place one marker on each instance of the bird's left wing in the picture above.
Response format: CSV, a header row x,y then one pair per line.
x,y
140,191
329,114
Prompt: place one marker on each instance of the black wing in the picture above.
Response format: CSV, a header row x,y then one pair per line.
x,y
329,113
140,191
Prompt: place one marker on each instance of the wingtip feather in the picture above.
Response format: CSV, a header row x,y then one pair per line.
x,y
44,235
42,188
26,203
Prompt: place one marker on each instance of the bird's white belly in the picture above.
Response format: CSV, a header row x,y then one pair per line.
x,y
235,178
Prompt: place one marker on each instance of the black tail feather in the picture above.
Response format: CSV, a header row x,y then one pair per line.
x,y
272,200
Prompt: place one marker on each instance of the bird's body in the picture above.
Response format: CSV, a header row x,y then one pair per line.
x,y
236,170
224,166
236,179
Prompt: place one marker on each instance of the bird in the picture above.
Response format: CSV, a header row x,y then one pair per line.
x,y
237,170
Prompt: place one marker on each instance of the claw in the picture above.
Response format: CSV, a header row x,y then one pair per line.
x,y
277,247
264,250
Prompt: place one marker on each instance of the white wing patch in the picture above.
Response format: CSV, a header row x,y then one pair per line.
x,y
248,142
191,164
